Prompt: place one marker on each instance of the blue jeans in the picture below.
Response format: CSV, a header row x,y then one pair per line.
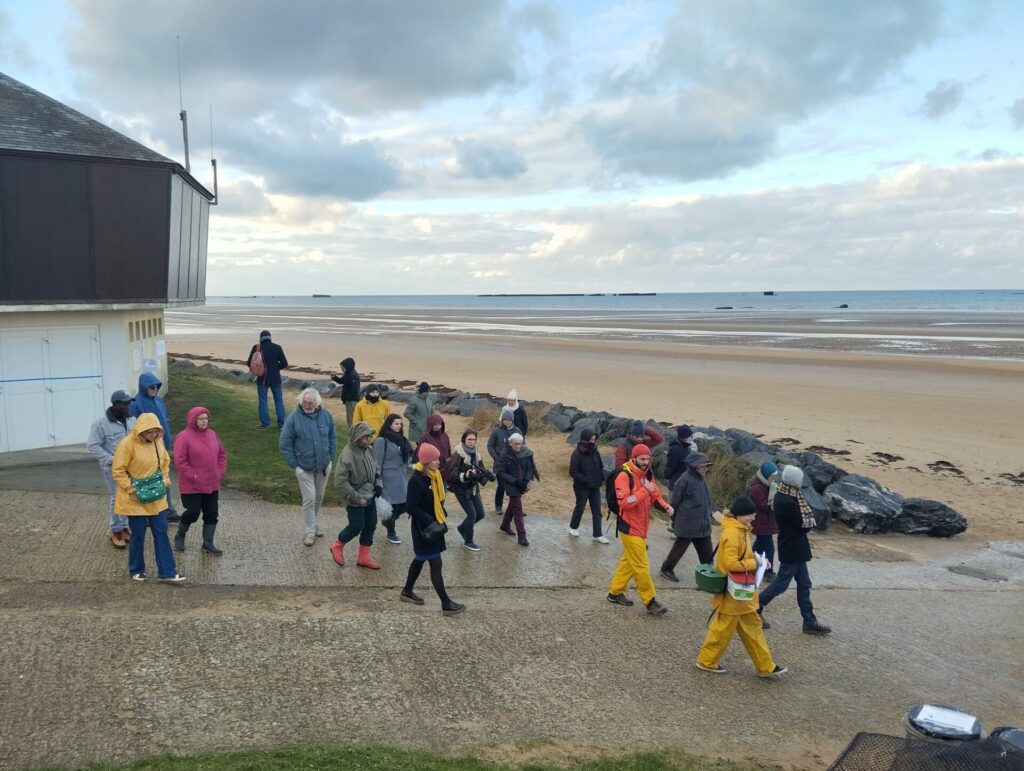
x,y
161,545
117,522
765,544
261,395
787,572
361,521
474,508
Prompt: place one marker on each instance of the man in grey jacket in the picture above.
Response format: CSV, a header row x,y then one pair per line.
x,y
418,410
308,442
691,523
359,484
104,436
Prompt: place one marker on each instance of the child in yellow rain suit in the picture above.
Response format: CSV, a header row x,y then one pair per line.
x,y
735,555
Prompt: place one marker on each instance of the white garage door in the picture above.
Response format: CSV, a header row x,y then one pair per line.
x,y
50,386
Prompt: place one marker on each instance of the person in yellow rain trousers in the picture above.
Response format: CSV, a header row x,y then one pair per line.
x,y
731,615
636,492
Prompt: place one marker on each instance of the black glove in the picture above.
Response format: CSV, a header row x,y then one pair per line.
x,y
338,379
377,491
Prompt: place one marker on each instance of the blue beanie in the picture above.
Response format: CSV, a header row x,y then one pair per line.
x,y
768,468
637,429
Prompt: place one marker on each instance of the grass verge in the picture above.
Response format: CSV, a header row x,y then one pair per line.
x,y
255,464
324,758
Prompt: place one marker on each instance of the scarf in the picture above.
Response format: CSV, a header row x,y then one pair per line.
x,y
805,507
398,439
437,487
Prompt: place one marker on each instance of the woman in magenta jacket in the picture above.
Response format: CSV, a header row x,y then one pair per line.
x,y
201,462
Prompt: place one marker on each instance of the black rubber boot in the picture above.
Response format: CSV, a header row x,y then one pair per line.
x,y
208,532
179,537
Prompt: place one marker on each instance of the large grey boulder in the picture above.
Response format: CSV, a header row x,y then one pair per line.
x,y
744,442
819,508
467,404
863,504
324,387
819,471
615,429
400,397
595,424
183,363
920,515
561,416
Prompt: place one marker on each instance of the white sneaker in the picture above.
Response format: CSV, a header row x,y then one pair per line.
x,y
601,539
574,532
175,579
308,540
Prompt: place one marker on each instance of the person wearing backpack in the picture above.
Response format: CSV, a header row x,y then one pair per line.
x,y
147,400
587,472
265,362
635,493
693,503
730,615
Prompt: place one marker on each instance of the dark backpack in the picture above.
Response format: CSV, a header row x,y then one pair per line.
x,y
257,367
609,489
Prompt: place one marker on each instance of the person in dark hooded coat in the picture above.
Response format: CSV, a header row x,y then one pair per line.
x,y
435,435
587,471
678,450
693,503
349,382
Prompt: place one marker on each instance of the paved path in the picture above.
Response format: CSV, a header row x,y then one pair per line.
x,y
272,644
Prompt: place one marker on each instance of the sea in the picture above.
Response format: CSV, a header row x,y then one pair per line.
x,y
986,324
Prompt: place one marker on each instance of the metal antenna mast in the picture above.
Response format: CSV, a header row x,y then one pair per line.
x,y
183,114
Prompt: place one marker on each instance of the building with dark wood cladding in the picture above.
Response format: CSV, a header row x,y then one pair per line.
x,y
98,235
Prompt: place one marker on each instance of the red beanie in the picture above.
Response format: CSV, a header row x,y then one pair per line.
x,y
640,449
427,453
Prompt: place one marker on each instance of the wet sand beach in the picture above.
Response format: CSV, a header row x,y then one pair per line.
x,y
933,425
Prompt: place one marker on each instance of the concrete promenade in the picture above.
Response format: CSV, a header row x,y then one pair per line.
x,y
272,644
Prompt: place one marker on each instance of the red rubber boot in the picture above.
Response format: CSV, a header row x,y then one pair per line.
x,y
338,552
364,560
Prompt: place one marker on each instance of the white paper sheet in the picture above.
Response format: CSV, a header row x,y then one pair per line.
x,y
946,718
762,566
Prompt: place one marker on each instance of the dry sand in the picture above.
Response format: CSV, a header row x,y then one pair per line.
x,y
951,427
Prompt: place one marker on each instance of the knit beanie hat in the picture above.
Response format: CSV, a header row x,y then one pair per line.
x,y
637,429
638,450
423,387
507,414
513,395
742,506
427,453
264,336
791,475
684,432
768,468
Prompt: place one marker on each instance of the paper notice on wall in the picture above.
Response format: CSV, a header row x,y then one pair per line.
x,y
161,347
137,356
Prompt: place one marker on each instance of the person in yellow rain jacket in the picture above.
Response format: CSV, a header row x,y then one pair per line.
x,y
372,409
735,555
139,455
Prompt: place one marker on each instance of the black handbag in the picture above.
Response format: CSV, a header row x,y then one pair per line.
x,y
434,531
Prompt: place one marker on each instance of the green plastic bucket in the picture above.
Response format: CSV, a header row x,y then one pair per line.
x,y
708,579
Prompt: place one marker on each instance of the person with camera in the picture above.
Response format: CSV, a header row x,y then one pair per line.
x,y
425,499
516,469
465,473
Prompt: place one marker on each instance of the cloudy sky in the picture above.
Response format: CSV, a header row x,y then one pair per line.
x,y
466,146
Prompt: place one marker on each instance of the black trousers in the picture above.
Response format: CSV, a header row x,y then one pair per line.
x,y
207,503
584,495
702,545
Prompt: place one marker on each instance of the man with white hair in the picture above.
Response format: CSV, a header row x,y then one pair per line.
x,y
308,443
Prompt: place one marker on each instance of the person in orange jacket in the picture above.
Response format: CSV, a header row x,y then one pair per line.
x,y
636,492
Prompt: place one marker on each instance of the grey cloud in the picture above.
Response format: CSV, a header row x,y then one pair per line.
x,y
728,74
992,154
489,159
13,50
1017,113
943,99
244,199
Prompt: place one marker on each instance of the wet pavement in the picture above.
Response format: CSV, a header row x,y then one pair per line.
x,y
272,644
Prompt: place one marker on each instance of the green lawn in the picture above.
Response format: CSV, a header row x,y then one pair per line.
x,y
255,464
315,759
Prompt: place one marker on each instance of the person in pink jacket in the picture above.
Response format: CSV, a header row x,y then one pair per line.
x,y
201,462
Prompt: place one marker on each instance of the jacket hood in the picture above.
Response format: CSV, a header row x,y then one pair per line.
x,y
349,364
695,459
145,422
523,452
359,430
194,413
434,420
147,379
731,523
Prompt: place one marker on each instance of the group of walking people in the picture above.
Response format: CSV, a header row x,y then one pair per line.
x,y
382,474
